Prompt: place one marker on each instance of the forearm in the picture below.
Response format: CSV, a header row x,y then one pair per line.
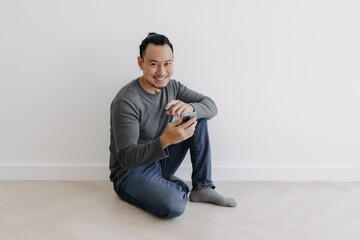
x,y
141,154
205,108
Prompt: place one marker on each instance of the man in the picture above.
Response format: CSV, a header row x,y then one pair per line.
x,y
147,147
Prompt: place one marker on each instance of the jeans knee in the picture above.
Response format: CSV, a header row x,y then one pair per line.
x,y
172,206
202,121
172,211
201,125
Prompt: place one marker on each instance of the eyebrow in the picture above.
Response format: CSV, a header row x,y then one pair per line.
x,y
157,61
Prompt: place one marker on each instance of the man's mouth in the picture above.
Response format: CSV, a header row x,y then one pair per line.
x,y
160,78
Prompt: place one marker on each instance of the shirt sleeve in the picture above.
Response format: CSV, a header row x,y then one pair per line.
x,y
126,130
204,106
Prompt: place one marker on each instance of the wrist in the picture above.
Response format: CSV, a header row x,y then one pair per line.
x,y
164,142
193,109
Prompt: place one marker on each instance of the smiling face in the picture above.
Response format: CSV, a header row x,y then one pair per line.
x,y
157,67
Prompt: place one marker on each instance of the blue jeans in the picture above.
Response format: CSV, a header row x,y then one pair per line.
x,y
148,187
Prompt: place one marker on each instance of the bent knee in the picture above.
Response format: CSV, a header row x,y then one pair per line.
x,y
172,206
202,121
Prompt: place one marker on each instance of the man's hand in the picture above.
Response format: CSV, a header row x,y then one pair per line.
x,y
179,108
175,133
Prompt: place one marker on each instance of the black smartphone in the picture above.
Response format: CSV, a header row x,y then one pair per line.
x,y
187,116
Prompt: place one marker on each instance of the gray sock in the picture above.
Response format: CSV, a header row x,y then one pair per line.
x,y
208,195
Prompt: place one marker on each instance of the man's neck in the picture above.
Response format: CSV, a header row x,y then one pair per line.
x,y
148,87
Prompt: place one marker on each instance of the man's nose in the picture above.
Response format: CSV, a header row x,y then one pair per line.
x,y
161,70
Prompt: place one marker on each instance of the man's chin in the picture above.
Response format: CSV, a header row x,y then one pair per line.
x,y
161,86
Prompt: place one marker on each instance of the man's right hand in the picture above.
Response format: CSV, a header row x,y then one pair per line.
x,y
175,133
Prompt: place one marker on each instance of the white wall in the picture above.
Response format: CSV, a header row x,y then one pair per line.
x,y
284,74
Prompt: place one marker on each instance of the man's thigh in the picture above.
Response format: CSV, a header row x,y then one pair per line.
x,y
145,188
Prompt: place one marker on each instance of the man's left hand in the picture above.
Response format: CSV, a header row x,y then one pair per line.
x,y
179,108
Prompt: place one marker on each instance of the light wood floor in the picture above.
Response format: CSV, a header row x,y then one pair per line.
x,y
266,210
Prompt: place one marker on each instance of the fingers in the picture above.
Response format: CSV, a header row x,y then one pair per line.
x,y
178,108
170,107
181,110
176,122
176,132
172,102
191,123
191,128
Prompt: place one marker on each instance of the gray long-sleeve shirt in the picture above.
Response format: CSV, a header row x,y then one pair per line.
x,y
139,118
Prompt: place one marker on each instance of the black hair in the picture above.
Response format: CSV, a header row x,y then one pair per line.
x,y
154,38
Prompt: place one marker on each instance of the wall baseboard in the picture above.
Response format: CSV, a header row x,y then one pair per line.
x,y
55,172
220,173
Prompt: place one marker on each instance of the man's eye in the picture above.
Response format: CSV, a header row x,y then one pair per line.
x,y
154,64
168,64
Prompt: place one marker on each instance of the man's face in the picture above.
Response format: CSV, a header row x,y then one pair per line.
x,y
157,67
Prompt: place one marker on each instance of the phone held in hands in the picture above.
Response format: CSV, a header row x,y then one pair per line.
x,y
187,116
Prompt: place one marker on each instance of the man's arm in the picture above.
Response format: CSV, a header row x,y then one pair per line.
x,y
190,101
126,130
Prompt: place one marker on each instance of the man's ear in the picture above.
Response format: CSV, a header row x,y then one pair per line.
x,y
140,62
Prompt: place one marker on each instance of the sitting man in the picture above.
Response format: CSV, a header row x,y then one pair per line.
x,y
147,146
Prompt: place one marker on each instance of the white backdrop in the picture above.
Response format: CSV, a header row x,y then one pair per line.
x,y
284,74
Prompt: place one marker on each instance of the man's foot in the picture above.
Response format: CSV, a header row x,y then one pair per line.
x,y
208,195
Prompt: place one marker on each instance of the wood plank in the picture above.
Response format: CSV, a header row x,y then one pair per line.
x,y
265,210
